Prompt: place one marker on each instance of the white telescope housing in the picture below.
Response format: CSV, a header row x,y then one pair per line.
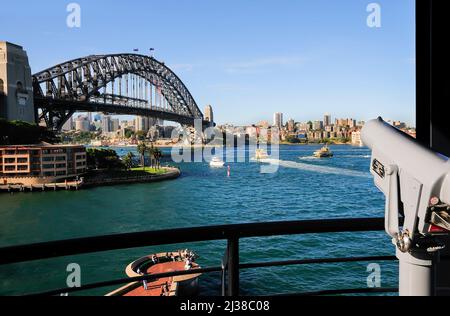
x,y
410,175
416,183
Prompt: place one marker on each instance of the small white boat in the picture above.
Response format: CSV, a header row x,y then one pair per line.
x,y
216,162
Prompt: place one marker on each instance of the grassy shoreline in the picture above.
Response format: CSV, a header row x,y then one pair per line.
x,y
149,170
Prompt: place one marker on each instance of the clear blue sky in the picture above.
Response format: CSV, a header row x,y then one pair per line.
x,y
247,58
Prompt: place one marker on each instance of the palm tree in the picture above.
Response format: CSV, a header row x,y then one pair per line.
x,y
128,160
151,153
142,149
158,155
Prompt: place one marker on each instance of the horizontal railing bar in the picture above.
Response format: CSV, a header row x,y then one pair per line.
x,y
148,277
315,261
343,291
62,248
213,269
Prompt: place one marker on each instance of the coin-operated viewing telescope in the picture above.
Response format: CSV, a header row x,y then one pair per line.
x,y
416,183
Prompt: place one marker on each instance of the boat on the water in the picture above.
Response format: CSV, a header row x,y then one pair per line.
x,y
261,154
184,285
216,162
324,152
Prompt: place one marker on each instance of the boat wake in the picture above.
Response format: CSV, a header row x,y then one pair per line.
x,y
317,169
337,156
356,156
308,158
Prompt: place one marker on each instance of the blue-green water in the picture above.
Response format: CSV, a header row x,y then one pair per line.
x,y
303,188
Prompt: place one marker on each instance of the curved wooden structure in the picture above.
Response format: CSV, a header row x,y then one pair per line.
x,y
179,285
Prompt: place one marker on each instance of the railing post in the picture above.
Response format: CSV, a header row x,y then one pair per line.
x,y
233,266
223,273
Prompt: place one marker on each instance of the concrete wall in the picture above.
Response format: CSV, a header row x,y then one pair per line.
x,y
30,180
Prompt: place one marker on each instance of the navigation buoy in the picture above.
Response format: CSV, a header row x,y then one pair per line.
x,y
229,171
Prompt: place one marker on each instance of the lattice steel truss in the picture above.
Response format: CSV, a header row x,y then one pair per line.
x,y
117,84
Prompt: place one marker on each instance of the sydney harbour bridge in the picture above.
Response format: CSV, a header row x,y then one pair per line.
x,y
129,84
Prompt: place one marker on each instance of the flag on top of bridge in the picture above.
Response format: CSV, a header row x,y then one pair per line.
x,y
136,49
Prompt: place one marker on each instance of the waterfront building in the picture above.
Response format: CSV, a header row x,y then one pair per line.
x,y
399,125
317,125
356,138
263,124
304,127
278,120
346,122
39,164
411,132
251,131
360,124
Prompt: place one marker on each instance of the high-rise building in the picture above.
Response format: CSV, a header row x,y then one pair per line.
x,y
82,124
141,124
278,120
351,122
327,119
68,126
115,125
291,125
209,115
106,124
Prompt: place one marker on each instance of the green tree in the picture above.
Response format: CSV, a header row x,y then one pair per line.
x,y
128,160
292,139
140,135
103,159
142,149
129,133
23,133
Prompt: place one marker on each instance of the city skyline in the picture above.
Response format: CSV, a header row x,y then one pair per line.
x,y
296,64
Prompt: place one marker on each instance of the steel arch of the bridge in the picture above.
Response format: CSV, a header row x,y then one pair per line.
x,y
81,85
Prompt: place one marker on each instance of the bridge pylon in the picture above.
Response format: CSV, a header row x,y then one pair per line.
x,y
16,85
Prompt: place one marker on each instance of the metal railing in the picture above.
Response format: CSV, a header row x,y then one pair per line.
x,y
231,265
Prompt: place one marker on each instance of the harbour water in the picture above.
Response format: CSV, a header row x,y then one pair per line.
x,y
303,188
